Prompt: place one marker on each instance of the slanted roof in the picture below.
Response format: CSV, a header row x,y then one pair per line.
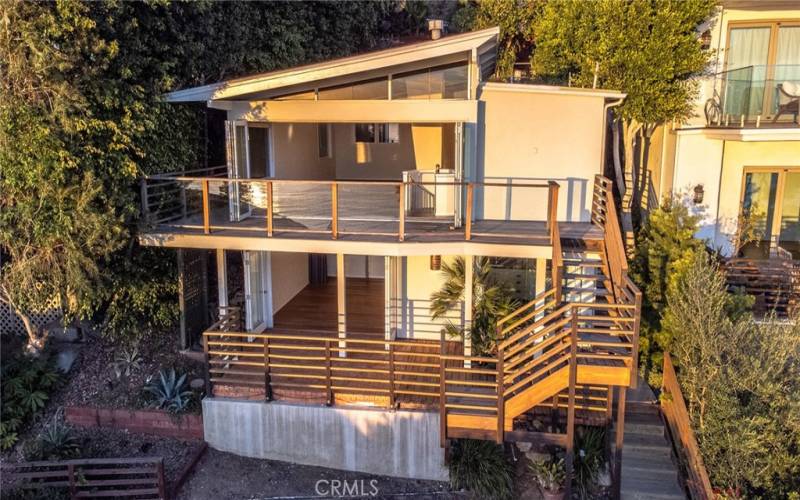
x,y
484,41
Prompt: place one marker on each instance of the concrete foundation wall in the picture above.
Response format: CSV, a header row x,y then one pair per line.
x,y
399,443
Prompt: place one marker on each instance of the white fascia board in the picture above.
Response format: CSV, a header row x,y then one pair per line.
x,y
552,89
329,69
745,134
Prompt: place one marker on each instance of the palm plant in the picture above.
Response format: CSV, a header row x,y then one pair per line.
x,y
170,391
491,301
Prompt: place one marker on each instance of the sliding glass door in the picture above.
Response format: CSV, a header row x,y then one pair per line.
x,y
770,220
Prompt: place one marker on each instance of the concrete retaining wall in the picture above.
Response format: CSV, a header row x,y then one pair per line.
x,y
399,443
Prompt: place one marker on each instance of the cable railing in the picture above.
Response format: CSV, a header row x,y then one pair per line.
x,y
394,210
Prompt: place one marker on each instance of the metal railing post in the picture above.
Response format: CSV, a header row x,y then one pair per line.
x,y
269,208
334,210
468,215
401,230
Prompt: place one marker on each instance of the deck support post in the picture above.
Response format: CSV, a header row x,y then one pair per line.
x,y
501,404
442,393
206,208
341,301
222,281
619,439
573,380
269,209
401,216
334,210
468,277
267,385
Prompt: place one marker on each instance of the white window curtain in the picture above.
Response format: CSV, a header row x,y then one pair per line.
x,y
787,60
748,50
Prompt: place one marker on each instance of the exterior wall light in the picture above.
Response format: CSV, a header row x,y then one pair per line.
x,y
698,194
436,262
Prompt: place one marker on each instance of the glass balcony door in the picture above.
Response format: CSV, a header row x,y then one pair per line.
x,y
770,212
238,168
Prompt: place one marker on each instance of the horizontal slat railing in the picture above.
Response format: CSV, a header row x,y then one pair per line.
x,y
335,207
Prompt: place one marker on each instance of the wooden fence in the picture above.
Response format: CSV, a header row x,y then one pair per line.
x,y
95,477
679,425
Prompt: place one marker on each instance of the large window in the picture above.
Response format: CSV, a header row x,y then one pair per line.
x,y
442,82
770,212
760,57
367,90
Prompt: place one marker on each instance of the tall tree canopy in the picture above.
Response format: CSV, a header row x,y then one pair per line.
x,y
648,49
81,119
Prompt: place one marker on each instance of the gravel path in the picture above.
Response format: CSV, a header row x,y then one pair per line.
x,y
222,475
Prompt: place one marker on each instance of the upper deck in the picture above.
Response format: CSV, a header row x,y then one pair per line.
x,y
395,217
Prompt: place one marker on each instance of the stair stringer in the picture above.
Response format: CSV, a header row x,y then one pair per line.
x,y
558,381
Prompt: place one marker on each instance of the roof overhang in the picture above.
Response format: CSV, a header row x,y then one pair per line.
x,y
482,41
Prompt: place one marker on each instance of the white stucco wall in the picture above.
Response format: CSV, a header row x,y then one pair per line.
x,y
535,137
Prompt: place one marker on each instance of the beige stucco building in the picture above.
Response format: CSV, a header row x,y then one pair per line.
x,y
739,157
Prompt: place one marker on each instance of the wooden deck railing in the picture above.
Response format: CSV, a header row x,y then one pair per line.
x,y
773,282
673,407
335,207
97,477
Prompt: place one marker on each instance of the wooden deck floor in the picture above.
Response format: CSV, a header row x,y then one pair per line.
x,y
314,308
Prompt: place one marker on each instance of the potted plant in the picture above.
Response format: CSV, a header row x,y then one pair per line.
x,y
550,476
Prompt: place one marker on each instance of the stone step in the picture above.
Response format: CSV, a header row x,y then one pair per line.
x,y
641,461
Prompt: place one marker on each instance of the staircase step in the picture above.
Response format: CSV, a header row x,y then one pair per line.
x,y
635,440
646,461
643,424
571,276
594,291
651,488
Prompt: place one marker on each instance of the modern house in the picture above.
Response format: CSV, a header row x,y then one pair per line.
x,y
349,184
737,163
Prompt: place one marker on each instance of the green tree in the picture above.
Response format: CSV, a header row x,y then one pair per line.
x,y
645,48
491,300
741,381
81,119
56,222
515,18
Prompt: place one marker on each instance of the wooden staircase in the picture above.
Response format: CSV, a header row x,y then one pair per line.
x,y
582,331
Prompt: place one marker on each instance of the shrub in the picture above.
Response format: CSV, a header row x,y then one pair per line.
x,y
26,384
589,459
549,474
170,392
741,381
482,468
126,362
663,246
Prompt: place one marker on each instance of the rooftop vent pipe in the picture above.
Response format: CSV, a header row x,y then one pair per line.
x,y
436,27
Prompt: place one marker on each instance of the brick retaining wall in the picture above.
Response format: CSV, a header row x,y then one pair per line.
x,y
156,422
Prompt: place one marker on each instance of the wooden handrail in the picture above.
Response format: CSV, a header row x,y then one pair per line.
x,y
673,407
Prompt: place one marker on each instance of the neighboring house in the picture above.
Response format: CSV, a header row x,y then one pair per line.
x,y
348,184
738,160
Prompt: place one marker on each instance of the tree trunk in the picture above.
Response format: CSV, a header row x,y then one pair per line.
x,y
36,339
630,129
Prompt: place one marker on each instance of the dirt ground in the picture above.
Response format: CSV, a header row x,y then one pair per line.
x,y
223,476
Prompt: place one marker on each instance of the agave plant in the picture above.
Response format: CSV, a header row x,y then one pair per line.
x,y
57,440
126,362
170,391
